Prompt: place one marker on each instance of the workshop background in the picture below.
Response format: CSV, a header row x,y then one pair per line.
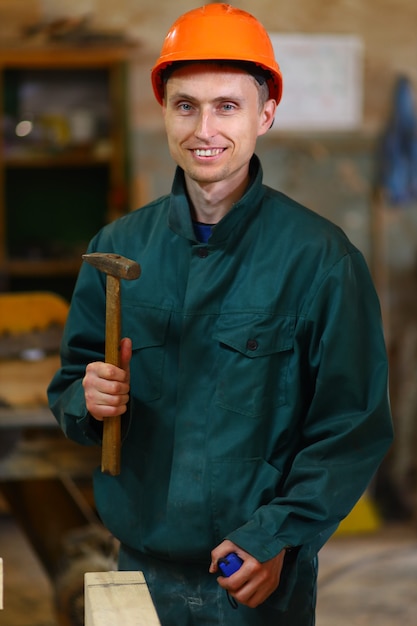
x,y
82,142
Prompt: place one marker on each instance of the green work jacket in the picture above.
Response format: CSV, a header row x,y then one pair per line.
x,y
258,403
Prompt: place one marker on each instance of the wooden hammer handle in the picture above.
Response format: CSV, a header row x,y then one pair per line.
x,y
110,454
116,268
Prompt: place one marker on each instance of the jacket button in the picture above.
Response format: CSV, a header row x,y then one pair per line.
x,y
202,253
252,344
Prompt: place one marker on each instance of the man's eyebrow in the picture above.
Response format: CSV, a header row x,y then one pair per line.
x,y
186,96
178,95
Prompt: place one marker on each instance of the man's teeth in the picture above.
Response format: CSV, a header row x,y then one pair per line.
x,y
208,153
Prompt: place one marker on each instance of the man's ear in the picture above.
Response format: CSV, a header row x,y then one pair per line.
x,y
267,116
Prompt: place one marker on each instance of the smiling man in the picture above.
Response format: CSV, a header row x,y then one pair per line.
x,y
213,117
253,378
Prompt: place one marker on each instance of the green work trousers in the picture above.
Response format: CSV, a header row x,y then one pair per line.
x,y
187,595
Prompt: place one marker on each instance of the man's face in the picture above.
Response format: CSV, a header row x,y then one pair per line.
x,y
213,117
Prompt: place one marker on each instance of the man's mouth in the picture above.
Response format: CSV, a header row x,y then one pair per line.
x,y
208,152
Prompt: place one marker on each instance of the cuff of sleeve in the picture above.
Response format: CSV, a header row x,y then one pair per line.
x,y
93,429
257,542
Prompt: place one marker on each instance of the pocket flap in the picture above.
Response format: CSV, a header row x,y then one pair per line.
x,y
256,335
147,327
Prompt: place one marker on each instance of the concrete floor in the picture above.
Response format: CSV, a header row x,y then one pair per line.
x,y
364,580
369,580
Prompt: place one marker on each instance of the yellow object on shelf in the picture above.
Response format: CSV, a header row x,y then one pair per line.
x,y
363,518
24,312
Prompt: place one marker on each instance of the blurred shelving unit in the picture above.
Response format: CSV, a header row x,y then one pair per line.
x,y
63,159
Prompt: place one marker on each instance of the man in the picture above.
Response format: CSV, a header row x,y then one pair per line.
x,y
253,378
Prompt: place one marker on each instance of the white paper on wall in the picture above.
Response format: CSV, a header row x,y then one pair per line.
x,y
323,81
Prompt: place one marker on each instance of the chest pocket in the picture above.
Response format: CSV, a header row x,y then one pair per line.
x,y
147,329
254,355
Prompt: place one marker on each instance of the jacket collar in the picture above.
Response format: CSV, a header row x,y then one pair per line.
x,y
179,211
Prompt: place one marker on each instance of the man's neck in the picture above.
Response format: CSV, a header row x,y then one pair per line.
x,y
212,201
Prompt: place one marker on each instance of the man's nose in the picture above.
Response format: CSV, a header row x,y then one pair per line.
x,y
205,126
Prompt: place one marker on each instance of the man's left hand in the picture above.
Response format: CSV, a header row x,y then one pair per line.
x,y
254,582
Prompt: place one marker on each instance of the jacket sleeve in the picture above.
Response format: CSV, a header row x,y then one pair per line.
x,y
346,427
83,342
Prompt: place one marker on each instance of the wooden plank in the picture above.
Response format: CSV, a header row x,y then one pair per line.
x,y
24,383
62,55
118,598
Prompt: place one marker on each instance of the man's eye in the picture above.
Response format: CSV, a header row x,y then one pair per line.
x,y
184,106
228,106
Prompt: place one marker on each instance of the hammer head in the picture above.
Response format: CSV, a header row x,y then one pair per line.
x,y
114,265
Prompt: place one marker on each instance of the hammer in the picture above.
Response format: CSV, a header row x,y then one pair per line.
x,y
116,267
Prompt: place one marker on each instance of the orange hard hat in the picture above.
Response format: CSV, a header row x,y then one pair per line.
x,y
218,32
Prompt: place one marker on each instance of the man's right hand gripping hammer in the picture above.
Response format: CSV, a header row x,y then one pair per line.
x,y
116,268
